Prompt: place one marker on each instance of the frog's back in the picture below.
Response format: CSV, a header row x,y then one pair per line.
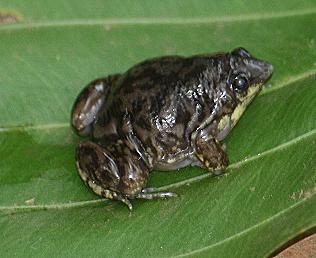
x,y
160,73
149,85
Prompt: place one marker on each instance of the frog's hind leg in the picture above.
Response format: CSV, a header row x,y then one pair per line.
x,y
95,164
101,191
89,102
117,177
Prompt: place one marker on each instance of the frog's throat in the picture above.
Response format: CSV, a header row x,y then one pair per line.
x,y
230,120
244,102
224,127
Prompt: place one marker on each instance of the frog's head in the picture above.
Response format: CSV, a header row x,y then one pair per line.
x,y
242,83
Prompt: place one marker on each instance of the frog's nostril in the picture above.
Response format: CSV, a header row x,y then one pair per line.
x,y
268,71
265,70
269,68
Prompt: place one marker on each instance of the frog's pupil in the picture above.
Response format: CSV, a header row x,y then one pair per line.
x,y
240,83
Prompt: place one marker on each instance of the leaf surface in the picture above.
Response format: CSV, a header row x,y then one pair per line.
x,y
268,194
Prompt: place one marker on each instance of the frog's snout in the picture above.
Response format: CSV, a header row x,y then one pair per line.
x,y
266,70
260,70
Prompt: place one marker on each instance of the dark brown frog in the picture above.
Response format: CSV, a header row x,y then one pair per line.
x,y
164,113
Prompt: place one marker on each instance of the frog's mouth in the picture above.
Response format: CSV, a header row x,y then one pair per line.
x,y
244,102
224,127
230,120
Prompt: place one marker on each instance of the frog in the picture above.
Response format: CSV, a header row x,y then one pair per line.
x,y
164,113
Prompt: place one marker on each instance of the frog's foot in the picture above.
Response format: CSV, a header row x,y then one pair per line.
x,y
109,194
212,155
123,199
101,191
89,102
148,196
154,195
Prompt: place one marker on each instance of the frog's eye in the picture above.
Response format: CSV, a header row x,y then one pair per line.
x,y
240,83
241,52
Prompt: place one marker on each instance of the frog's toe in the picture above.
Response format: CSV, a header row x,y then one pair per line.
x,y
157,195
125,200
150,190
129,204
219,171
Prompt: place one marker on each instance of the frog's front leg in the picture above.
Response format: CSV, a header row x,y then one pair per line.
x,y
89,102
212,154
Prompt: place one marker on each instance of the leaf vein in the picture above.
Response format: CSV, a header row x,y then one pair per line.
x,y
159,21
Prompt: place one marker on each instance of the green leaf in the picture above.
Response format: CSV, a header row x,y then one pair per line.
x,y
267,196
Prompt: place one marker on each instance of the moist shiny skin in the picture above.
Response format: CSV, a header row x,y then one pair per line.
x,y
163,113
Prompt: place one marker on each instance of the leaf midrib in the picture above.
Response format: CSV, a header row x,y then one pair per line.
x,y
159,20
236,165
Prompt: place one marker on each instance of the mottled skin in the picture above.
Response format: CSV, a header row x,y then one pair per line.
x,y
164,113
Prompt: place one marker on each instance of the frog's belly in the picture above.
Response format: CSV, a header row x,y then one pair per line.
x,y
176,161
168,150
173,165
